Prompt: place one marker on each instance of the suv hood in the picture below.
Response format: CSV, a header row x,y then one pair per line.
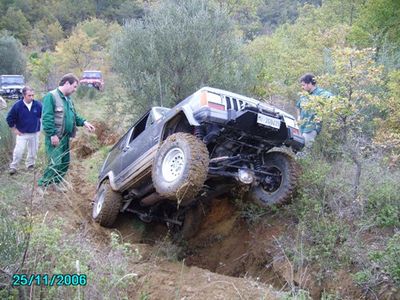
x,y
250,101
11,86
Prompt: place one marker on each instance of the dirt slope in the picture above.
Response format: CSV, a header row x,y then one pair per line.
x,y
227,259
155,276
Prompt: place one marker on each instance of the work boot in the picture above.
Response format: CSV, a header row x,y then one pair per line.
x,y
12,171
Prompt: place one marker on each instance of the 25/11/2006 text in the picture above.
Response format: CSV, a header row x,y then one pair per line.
x,y
49,280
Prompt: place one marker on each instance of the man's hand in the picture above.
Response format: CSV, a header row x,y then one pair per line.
x,y
55,140
16,131
89,126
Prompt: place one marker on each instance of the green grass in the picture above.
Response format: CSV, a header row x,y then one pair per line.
x,y
94,163
6,140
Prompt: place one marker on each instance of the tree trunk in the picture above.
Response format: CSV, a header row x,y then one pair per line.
x,y
357,176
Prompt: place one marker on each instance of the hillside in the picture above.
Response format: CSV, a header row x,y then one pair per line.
x,y
238,253
338,238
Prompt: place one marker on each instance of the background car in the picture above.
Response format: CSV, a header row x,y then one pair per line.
x,y
11,86
92,78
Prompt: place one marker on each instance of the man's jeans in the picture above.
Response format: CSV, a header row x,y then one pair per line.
x,y
309,138
31,140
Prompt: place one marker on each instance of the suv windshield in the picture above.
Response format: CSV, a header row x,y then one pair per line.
x,y
92,74
12,80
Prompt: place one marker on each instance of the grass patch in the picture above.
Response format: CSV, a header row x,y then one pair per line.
x,y
6,141
94,163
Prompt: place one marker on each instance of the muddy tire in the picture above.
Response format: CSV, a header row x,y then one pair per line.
x,y
180,168
106,206
276,189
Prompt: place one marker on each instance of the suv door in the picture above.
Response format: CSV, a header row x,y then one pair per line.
x,y
138,143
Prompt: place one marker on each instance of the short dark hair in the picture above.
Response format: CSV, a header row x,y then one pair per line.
x,y
26,89
70,78
308,78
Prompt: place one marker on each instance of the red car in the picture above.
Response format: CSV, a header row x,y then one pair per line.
x,y
92,79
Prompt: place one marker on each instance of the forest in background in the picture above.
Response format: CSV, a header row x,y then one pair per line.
x,y
158,52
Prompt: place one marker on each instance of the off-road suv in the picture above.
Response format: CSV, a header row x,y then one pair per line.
x,y
92,79
171,160
11,86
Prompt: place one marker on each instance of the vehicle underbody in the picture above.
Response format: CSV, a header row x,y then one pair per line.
x,y
236,160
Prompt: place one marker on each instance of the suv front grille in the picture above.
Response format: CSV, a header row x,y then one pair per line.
x,y
235,104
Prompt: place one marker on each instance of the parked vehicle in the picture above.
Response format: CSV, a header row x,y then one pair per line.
x,y
92,79
172,161
11,86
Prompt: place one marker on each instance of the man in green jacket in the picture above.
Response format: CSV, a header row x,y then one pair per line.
x,y
309,126
59,121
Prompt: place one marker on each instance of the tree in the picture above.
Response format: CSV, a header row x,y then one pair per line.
x,y
15,22
12,59
129,10
71,12
244,12
76,53
295,49
43,70
378,26
388,135
46,34
348,117
100,31
177,48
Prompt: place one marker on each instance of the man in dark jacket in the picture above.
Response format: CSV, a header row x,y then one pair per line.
x,y
59,125
24,120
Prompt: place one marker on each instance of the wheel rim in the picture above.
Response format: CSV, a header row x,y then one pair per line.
x,y
271,184
173,164
98,205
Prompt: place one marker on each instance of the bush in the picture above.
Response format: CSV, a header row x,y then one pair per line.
x,y
155,73
389,259
383,205
52,251
85,92
326,238
6,140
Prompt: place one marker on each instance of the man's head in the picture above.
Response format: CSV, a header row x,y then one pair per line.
x,y
68,84
28,94
308,82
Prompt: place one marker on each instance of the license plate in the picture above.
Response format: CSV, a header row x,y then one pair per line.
x,y
268,121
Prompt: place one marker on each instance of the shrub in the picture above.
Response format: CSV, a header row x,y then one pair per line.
x,y
6,140
326,238
383,204
389,259
53,251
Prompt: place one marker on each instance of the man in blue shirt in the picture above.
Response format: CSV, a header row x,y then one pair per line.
x,y
24,120
309,126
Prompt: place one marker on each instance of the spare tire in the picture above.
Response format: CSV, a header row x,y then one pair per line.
x,y
278,187
180,168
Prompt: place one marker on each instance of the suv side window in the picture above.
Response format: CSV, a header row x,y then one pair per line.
x,y
139,127
156,113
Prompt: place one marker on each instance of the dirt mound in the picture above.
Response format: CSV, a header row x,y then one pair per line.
x,y
227,245
168,280
105,134
87,143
